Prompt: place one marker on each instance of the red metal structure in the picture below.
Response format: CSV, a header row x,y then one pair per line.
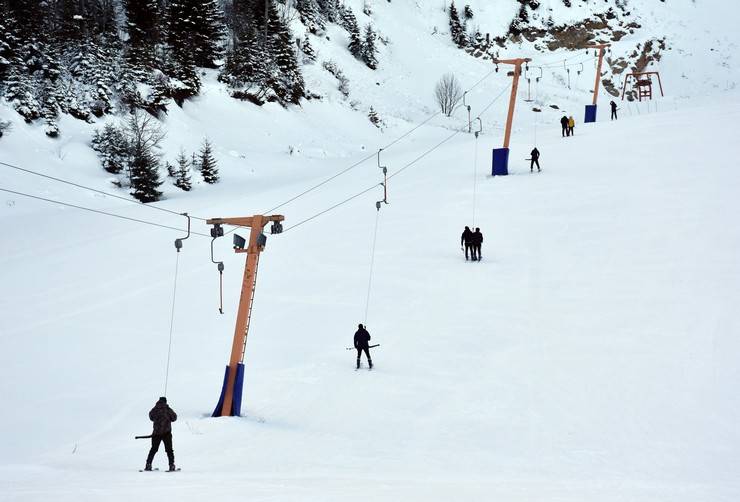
x,y
643,84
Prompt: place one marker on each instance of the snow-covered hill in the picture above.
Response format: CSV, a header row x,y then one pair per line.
x,y
591,355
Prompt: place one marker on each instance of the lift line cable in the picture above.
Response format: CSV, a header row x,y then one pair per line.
x,y
145,222
399,171
365,159
108,194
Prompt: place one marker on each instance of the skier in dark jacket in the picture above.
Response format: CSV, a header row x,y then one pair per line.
x,y
465,239
535,159
362,342
477,243
162,416
564,124
614,110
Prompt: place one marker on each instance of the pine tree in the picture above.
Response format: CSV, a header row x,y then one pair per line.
x,y
310,16
369,49
112,148
309,54
289,84
209,34
145,178
143,30
375,118
171,172
144,137
467,13
457,32
329,9
182,172
208,167
247,70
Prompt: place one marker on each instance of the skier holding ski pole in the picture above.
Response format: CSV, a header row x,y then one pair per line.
x,y
362,343
162,416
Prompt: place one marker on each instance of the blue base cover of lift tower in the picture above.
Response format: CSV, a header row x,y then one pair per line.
x,y
500,162
590,114
236,402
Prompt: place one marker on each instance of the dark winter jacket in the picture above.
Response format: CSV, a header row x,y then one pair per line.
x,y
564,121
466,236
613,105
477,238
535,154
362,339
162,416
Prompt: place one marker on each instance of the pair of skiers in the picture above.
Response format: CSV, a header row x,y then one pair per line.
x,y
162,416
568,125
472,242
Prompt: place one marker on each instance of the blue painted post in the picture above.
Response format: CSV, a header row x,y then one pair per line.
x,y
590,114
500,162
236,403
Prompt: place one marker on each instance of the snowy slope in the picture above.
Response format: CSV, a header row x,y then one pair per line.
x,y
591,355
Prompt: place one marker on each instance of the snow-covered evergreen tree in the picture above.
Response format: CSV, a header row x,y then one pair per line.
x,y
329,9
309,54
457,32
207,164
375,118
182,172
467,13
289,83
112,147
311,16
349,21
144,136
144,31
369,51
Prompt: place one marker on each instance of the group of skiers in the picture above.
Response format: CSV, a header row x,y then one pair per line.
x,y
472,242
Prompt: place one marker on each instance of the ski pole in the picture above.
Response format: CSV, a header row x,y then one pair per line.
x,y
142,437
370,347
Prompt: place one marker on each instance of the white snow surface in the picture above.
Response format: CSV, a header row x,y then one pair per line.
x,y
591,355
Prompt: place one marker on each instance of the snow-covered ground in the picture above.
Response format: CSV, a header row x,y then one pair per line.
x,y
592,355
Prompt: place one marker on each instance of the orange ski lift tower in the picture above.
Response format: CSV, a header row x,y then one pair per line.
x,y
643,84
591,109
229,404
500,165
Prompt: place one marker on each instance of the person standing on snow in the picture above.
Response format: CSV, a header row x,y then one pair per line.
x,y
466,240
571,125
362,342
535,159
564,124
614,110
477,243
162,416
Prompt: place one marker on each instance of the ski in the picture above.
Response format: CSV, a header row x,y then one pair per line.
x,y
150,470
